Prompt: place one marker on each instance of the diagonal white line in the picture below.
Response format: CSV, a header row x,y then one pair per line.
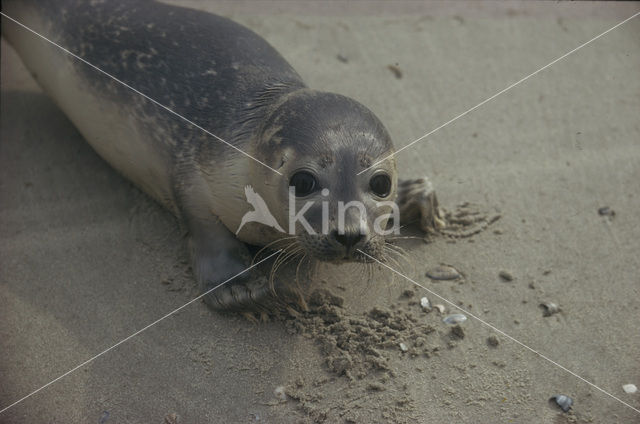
x,y
501,332
141,93
497,94
135,334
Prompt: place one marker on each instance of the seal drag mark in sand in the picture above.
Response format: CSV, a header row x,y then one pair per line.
x,y
230,81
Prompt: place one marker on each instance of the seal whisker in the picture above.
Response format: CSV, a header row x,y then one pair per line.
x,y
384,258
312,269
304,256
283,258
301,299
372,269
284,251
363,287
255,257
284,254
362,262
275,264
369,268
397,249
405,238
389,258
291,256
400,254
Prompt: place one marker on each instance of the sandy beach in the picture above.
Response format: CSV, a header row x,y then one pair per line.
x,y
87,259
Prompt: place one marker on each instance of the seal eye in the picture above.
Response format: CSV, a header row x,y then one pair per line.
x,y
304,183
380,185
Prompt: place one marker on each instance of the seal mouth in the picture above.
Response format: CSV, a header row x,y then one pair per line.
x,y
354,256
347,257
350,256
325,249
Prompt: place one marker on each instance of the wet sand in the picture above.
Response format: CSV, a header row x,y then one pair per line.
x,y
86,259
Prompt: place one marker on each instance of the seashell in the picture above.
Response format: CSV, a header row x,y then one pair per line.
x,y
493,341
425,304
454,319
549,308
629,388
564,402
403,347
439,307
505,275
105,417
443,272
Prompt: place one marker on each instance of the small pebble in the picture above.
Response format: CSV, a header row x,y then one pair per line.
x,y
629,388
549,308
506,275
439,307
564,402
425,304
280,393
443,272
408,293
454,319
376,387
403,347
606,211
171,418
493,341
397,72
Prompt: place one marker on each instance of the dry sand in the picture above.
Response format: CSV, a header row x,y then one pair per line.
x,y
86,259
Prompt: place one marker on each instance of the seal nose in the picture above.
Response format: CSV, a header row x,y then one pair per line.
x,y
349,238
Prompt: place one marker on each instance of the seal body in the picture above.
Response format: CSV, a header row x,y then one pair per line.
x,y
204,67
149,78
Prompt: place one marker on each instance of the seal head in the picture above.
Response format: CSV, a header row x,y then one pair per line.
x,y
319,142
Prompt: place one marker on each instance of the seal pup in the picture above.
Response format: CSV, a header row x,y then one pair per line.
x,y
251,121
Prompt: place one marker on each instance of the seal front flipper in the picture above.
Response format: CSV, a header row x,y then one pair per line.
x,y
417,200
218,256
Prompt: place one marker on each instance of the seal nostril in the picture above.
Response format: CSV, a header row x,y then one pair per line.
x,y
348,239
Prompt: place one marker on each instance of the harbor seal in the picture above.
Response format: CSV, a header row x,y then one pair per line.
x,y
211,121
